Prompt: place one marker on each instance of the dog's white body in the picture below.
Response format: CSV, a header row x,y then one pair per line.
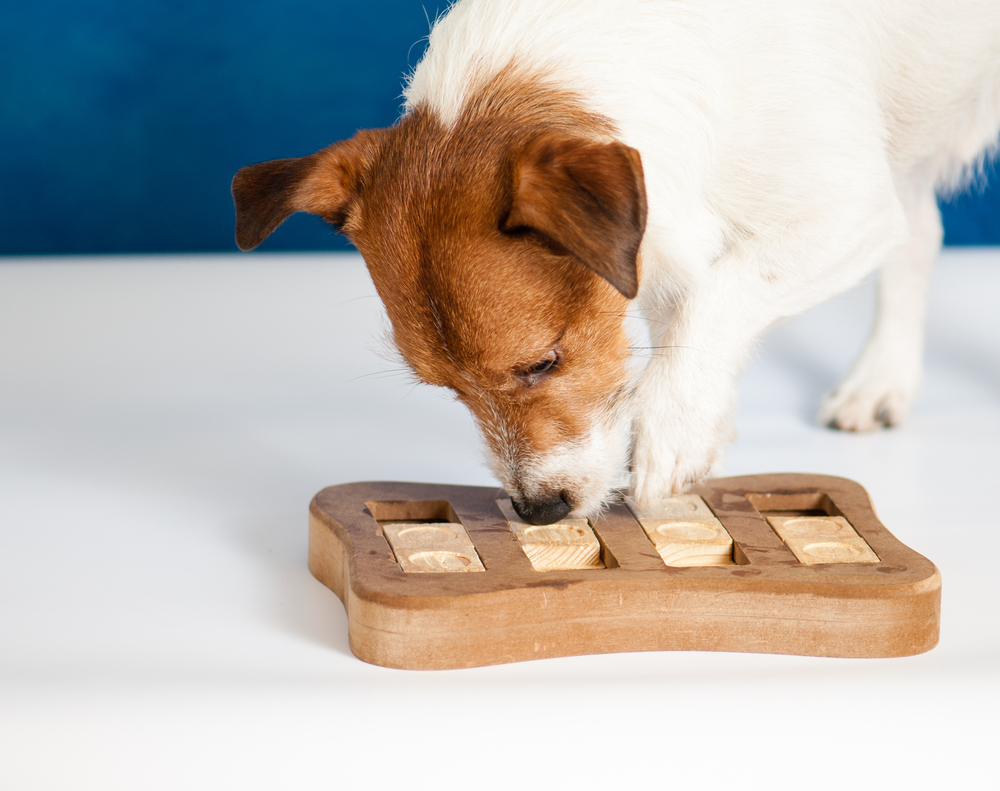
x,y
789,148
726,163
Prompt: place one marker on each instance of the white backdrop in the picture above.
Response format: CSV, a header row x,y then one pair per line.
x,y
164,423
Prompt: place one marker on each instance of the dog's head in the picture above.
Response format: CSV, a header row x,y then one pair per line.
x,y
505,256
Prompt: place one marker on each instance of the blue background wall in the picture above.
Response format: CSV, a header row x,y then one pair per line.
x,y
122,122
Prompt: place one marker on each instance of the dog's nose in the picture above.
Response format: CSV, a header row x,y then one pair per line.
x,y
544,510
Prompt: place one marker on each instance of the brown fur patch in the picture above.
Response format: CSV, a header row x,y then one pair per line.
x,y
588,199
483,237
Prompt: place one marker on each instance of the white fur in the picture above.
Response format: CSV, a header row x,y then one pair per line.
x,y
789,148
586,467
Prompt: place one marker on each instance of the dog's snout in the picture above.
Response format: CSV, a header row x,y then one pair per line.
x,y
543,510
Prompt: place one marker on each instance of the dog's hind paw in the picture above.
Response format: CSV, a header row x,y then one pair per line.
x,y
879,390
865,408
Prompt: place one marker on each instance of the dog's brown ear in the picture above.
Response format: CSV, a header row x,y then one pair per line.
x,y
588,198
323,183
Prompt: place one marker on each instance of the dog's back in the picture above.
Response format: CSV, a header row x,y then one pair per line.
x,y
700,88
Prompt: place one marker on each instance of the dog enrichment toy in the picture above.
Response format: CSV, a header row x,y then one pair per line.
x,y
438,576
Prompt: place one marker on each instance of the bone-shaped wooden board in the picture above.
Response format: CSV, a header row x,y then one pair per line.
x,y
436,576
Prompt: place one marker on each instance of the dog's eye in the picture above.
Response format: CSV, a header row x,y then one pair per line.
x,y
534,372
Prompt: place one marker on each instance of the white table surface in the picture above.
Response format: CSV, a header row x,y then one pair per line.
x,y
164,423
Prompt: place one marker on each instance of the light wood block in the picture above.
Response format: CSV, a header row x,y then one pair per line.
x,y
566,544
684,531
822,539
765,601
681,506
432,547
689,542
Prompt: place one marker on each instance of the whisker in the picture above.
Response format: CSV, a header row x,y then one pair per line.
x,y
677,346
355,299
415,386
674,346
631,315
393,372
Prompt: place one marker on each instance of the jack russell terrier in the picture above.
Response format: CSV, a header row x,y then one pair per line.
x,y
714,166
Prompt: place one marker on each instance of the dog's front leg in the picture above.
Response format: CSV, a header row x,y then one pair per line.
x,y
685,397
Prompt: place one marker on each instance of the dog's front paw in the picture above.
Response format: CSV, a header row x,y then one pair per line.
x,y
683,421
872,396
661,468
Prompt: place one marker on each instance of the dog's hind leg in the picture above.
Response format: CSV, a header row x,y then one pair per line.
x,y
884,381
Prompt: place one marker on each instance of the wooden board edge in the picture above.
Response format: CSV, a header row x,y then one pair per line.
x,y
649,633
915,630
329,553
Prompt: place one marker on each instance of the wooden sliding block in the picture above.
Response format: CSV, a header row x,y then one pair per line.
x,y
684,531
566,544
687,542
822,539
678,507
432,547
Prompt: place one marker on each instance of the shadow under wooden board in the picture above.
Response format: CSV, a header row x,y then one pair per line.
x,y
435,576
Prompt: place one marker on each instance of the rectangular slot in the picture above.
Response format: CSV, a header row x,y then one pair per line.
x,y
566,544
812,527
685,532
426,536
412,511
794,504
822,539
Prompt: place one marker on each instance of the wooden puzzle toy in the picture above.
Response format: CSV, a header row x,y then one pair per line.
x,y
436,576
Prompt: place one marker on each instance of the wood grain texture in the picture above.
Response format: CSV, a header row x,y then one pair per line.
x,y
690,542
566,544
822,539
427,548
684,531
766,601
679,507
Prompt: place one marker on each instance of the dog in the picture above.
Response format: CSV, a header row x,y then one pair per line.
x,y
713,167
